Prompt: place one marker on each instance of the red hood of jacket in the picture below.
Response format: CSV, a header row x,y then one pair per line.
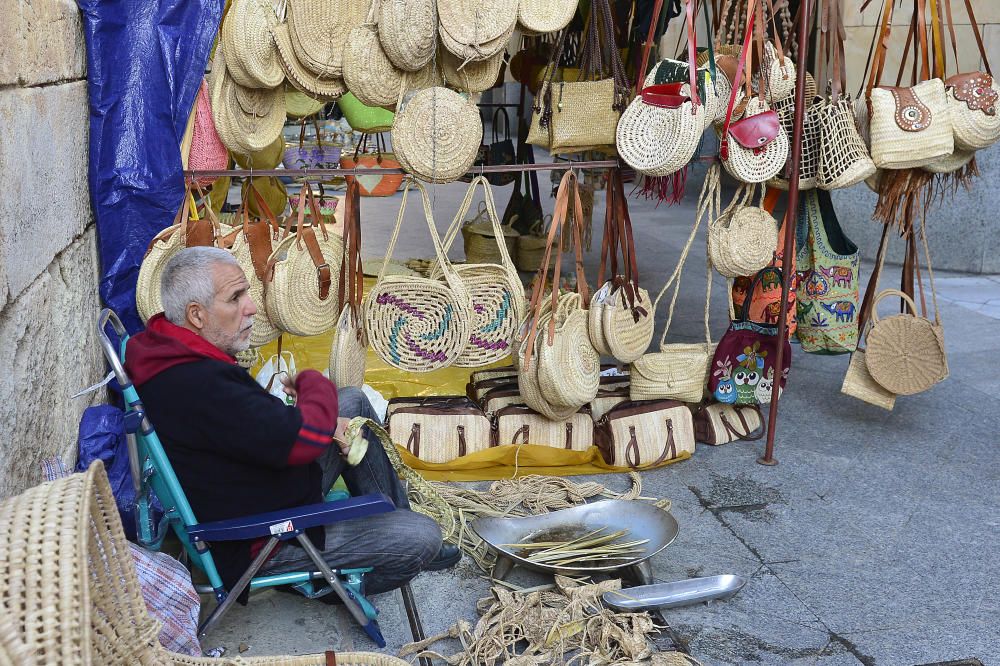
x,y
163,345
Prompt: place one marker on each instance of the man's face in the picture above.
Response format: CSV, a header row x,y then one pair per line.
x,y
227,320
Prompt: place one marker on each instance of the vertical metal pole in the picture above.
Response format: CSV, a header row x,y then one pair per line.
x,y
791,217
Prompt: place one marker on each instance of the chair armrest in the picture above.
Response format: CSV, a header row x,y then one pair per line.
x,y
286,521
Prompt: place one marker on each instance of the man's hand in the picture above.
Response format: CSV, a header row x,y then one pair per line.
x,y
340,436
288,384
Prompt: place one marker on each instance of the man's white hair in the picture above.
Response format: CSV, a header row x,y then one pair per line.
x,y
187,278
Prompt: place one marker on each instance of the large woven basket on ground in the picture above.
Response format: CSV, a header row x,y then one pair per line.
x,y
69,591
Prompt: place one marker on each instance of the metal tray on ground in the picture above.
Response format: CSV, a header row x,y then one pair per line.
x,y
643,521
676,594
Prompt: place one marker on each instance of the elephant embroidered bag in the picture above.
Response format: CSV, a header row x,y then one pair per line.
x,y
743,368
827,293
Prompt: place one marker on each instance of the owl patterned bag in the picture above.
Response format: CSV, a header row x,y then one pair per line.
x,y
743,368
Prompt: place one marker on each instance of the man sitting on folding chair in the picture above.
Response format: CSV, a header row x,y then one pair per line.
x,y
237,450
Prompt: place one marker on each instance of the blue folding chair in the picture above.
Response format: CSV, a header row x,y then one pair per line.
x,y
152,472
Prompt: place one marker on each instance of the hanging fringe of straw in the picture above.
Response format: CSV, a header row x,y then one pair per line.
x,y
565,623
903,193
454,507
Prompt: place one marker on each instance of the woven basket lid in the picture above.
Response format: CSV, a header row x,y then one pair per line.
x,y
252,57
269,158
300,105
318,31
368,72
436,136
248,120
475,51
407,30
475,76
473,22
307,82
540,16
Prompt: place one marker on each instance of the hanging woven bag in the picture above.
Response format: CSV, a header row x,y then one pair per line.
x,y
324,88
407,30
436,134
368,73
498,305
207,152
778,68
741,241
545,16
810,154
248,120
413,323
475,30
251,55
302,277
349,350
319,30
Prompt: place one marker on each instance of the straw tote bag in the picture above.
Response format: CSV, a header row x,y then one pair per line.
x,y
186,231
413,323
777,68
368,72
742,239
207,152
573,116
408,30
679,371
910,127
252,246
439,431
517,425
646,435
497,294
349,350
972,97
718,424
302,277
626,313
436,134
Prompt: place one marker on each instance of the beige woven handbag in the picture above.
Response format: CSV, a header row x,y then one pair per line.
x,y
368,72
418,324
516,425
251,54
679,371
248,120
408,32
497,294
186,231
844,159
319,29
474,30
473,76
905,353
349,351
545,16
252,246
742,239
647,435
809,158
436,134
480,240
302,277
439,430
502,396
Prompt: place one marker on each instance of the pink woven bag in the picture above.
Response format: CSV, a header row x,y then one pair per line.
x,y
207,150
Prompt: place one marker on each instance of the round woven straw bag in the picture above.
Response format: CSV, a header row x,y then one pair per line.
x,y
418,324
318,31
248,120
437,134
527,373
741,241
975,117
655,139
628,338
470,77
303,80
780,72
349,351
368,72
844,159
951,163
252,246
905,353
302,277
408,32
251,54
497,294
269,158
569,368
757,165
595,318
475,30
544,16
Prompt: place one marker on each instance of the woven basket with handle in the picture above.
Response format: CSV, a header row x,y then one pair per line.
x,y
349,350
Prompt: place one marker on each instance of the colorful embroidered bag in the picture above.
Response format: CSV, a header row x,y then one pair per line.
x,y
828,268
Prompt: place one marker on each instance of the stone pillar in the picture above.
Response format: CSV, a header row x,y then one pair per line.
x,y
48,258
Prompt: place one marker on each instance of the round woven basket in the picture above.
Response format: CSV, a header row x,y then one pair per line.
x,y
436,136
595,319
248,120
543,16
756,165
527,371
974,129
251,54
349,351
475,51
307,82
569,368
473,22
318,31
658,141
368,72
844,159
408,32
904,353
299,105
628,339
742,240
472,77
780,74
263,330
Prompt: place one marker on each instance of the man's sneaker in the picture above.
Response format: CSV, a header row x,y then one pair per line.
x,y
447,557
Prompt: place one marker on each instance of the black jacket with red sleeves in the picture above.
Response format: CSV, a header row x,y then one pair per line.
x,y
237,450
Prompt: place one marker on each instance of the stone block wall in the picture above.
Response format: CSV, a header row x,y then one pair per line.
x,y
48,257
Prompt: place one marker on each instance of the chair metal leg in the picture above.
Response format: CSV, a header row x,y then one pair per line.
x,y
350,601
241,584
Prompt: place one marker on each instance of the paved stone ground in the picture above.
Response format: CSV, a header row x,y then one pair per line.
x,y
873,541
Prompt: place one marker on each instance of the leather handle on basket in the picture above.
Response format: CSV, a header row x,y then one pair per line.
x,y
331,658
740,66
307,236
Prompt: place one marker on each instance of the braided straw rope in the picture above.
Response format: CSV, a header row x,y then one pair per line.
x,y
741,241
368,72
750,165
498,304
473,76
974,129
251,54
658,141
811,144
306,82
418,324
680,371
545,16
408,32
437,134
895,148
248,120
318,31
569,368
844,159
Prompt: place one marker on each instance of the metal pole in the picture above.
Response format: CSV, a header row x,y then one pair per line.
x,y
361,171
791,215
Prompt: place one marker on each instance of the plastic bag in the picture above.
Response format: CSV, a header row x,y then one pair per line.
x,y
269,376
101,436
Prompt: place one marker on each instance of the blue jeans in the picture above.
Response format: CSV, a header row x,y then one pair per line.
x,y
397,544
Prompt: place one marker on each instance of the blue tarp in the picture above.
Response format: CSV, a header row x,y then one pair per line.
x,y
145,62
